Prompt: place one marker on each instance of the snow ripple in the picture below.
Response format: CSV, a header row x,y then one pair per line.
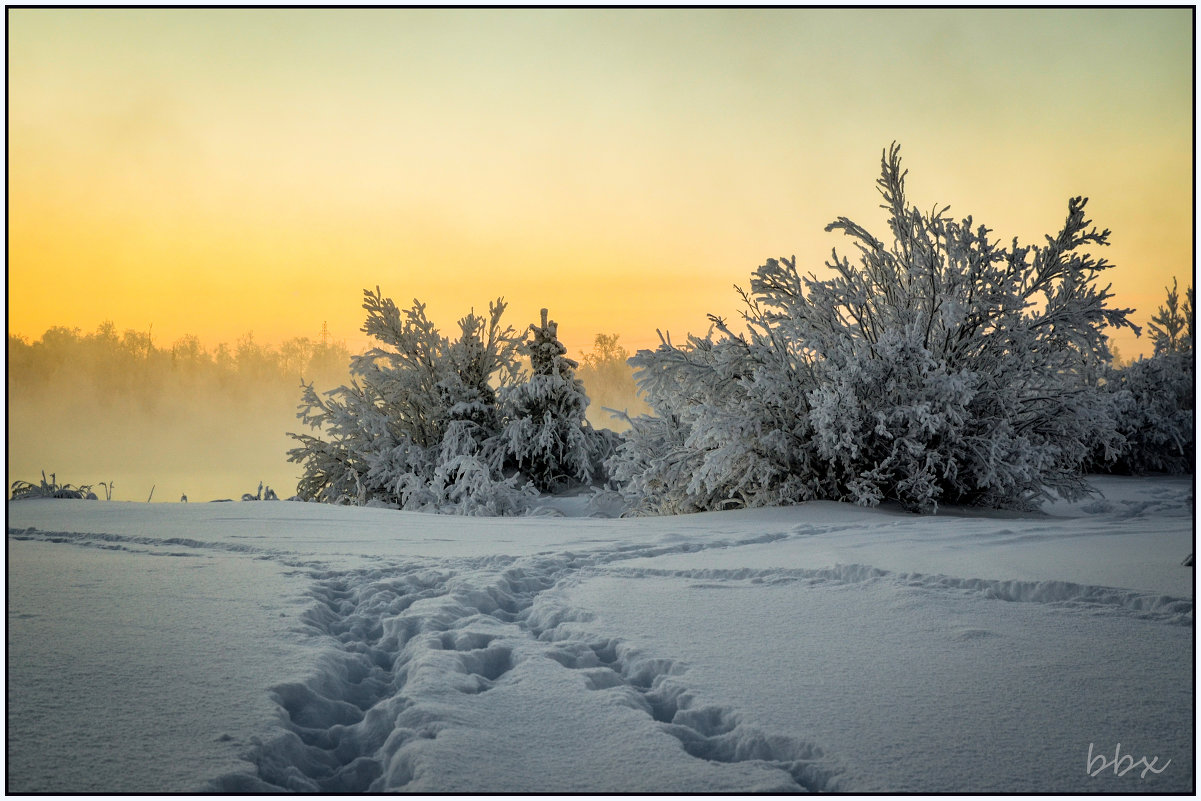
x,y
153,545
1063,594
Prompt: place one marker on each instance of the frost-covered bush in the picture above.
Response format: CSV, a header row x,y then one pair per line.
x,y
725,430
941,368
434,424
418,428
24,490
264,493
1155,398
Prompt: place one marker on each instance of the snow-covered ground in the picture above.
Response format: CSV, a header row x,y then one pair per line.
x,y
258,646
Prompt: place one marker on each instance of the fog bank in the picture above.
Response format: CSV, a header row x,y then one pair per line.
x,y
182,420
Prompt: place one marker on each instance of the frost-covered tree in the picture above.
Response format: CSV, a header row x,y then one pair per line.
x,y
547,435
943,367
419,425
1171,328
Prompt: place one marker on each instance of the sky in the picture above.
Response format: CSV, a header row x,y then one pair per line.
x,y
218,172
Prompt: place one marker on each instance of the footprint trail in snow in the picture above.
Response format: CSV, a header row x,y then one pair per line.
x,y
399,639
407,644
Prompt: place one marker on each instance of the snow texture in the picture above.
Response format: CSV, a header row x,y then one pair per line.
x,y
820,647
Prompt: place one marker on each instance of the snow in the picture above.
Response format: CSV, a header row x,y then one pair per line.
x,y
266,646
129,672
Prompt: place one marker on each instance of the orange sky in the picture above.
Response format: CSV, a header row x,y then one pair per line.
x,y
218,172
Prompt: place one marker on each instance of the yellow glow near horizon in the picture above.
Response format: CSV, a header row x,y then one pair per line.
x,y
217,172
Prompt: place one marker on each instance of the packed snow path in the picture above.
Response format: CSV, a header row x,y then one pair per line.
x,y
815,648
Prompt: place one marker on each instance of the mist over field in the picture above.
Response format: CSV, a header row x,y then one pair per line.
x,y
185,419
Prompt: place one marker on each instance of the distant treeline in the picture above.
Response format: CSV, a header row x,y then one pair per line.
x,y
118,406
104,366
131,364
609,382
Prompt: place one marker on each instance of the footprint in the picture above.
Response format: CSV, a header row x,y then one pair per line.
x,y
464,640
488,663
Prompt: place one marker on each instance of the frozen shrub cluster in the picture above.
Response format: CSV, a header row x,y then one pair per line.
x,y
1155,397
415,428
938,366
24,490
1155,400
943,367
434,424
